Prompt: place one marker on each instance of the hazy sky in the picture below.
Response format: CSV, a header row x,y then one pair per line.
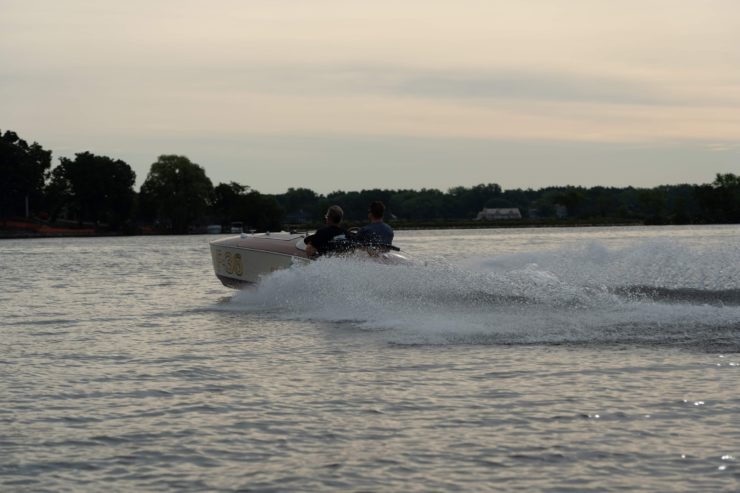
x,y
346,95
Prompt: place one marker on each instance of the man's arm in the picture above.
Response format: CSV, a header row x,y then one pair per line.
x,y
310,250
312,241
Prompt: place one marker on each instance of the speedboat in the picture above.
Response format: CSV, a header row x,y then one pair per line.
x,y
242,260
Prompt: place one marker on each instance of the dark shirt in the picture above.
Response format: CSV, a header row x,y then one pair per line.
x,y
321,239
378,233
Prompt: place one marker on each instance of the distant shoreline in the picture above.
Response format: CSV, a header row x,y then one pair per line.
x,y
58,231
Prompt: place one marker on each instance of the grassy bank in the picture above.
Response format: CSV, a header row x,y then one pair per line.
x,y
470,224
37,229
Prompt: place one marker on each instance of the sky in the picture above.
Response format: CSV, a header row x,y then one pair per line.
x,y
350,95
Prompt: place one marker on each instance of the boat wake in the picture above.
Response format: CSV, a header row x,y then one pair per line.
x,y
654,293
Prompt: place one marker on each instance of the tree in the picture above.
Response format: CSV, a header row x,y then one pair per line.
x,y
728,187
572,198
653,203
263,212
23,171
498,203
175,193
226,198
721,199
300,204
235,202
93,188
354,204
467,202
424,204
522,199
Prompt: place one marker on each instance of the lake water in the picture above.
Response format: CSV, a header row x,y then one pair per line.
x,y
590,359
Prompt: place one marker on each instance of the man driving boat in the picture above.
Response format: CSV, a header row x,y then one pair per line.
x,y
377,232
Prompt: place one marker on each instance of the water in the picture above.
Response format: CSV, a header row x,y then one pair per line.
x,y
599,359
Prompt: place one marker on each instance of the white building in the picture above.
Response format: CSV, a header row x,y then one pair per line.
x,y
492,214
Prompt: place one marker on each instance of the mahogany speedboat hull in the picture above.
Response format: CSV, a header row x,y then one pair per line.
x,y
242,260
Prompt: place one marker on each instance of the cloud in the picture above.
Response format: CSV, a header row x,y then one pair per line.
x,y
529,86
155,77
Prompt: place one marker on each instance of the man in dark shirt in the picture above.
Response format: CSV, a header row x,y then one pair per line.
x,y
377,232
320,242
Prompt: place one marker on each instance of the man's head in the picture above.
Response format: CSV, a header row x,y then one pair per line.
x,y
376,210
334,215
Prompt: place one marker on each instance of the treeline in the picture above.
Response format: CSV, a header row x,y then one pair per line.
x,y
178,197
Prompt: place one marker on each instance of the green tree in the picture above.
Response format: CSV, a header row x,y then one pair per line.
x,y
226,198
23,171
176,193
682,206
263,212
300,204
498,203
728,187
467,202
236,202
653,203
354,204
93,188
721,199
522,199
600,202
572,198
424,204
